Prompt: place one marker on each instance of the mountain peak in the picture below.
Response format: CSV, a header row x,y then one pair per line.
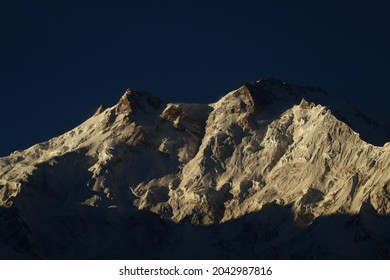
x,y
133,100
240,164
269,92
278,90
100,110
270,97
127,92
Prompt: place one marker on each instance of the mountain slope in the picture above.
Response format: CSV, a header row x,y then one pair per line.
x,y
271,155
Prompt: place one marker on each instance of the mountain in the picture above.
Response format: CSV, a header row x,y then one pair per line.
x,y
271,170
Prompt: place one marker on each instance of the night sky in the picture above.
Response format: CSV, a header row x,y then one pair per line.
x,y
59,60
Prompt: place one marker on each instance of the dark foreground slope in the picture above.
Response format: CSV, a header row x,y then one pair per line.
x,y
93,233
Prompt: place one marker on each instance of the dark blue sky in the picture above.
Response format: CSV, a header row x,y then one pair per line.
x,y
59,60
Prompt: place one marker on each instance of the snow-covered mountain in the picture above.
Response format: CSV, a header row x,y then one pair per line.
x,y
271,170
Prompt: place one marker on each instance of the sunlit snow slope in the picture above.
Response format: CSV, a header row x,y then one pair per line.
x,y
281,166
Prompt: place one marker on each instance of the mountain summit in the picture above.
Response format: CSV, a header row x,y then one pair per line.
x,y
271,170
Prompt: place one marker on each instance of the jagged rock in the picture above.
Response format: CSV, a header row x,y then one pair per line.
x,y
264,147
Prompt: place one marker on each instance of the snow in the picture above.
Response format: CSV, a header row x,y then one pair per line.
x,y
266,143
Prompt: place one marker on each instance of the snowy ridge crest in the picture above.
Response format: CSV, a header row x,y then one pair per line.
x,y
267,144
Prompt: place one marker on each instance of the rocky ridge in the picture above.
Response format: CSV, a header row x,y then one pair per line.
x,y
263,148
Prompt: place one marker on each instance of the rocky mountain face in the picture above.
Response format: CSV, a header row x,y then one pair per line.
x,y
271,170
